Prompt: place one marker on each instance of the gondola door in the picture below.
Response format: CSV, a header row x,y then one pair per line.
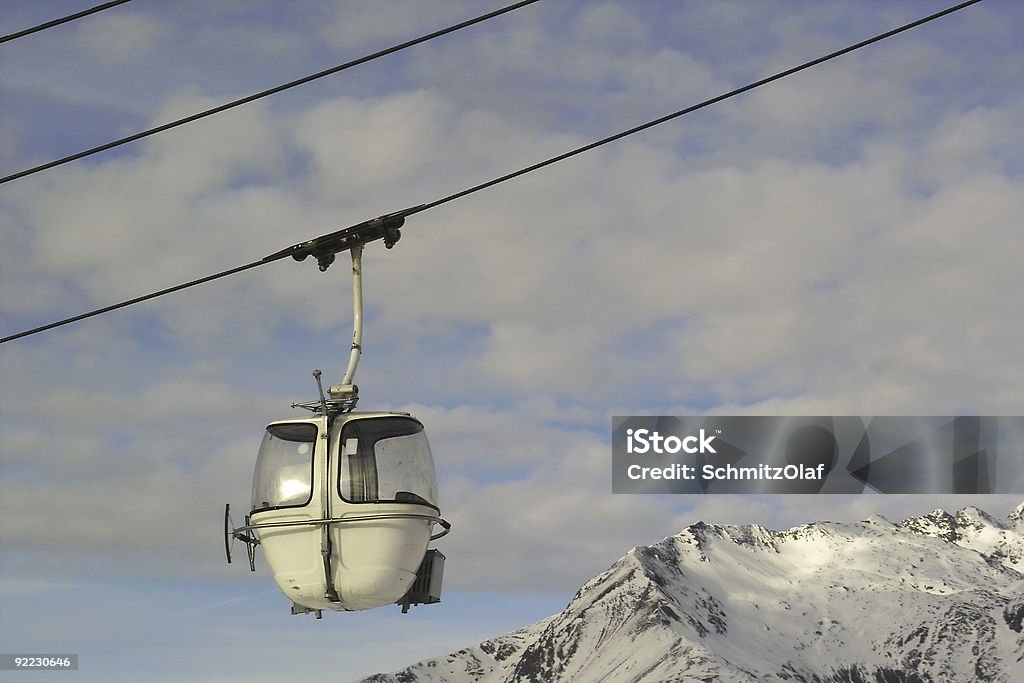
x,y
384,498
289,498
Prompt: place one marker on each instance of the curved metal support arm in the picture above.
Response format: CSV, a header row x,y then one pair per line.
x,y
357,314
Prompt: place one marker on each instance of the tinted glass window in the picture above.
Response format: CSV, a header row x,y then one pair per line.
x,y
284,466
387,459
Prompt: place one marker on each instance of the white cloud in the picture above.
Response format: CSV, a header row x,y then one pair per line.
x,y
360,145
122,36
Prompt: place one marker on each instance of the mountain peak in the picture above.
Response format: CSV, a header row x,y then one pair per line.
x,y
937,523
1017,516
935,597
971,516
753,535
879,521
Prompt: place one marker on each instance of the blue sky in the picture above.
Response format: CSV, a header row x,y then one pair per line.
x,y
843,242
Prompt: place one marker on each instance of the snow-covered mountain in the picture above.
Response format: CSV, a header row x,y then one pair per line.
x,y
934,598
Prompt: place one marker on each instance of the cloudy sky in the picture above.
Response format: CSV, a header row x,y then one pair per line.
x,y
846,241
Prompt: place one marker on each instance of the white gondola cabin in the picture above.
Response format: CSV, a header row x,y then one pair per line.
x,y
345,503
355,536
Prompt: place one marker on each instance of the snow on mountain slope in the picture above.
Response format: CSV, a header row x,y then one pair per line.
x,y
937,598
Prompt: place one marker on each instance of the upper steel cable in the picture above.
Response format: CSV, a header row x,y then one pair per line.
x,y
63,20
695,107
265,93
386,227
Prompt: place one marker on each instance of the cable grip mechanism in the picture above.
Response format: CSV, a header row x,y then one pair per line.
x,y
326,247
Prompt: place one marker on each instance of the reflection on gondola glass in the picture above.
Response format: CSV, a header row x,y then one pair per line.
x,y
284,466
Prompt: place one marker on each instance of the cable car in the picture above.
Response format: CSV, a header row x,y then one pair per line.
x,y
345,503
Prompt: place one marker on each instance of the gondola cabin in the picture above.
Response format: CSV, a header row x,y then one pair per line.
x,y
344,509
377,489
345,503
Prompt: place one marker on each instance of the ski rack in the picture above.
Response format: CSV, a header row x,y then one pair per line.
x,y
250,540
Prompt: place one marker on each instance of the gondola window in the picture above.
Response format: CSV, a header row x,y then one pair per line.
x,y
388,459
284,467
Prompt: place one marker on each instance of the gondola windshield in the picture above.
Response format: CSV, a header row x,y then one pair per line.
x,y
284,467
387,459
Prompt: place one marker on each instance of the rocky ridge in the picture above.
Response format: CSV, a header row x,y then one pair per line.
x,y
936,598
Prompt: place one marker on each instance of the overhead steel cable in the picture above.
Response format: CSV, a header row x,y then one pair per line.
x,y
136,300
266,93
693,108
62,20
386,227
